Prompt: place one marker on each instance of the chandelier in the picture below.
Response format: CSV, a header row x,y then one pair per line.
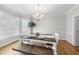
x,y
37,15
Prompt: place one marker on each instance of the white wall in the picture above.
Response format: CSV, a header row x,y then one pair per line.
x,y
51,24
70,24
0,28
9,28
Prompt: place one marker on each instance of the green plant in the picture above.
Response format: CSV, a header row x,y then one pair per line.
x,y
31,24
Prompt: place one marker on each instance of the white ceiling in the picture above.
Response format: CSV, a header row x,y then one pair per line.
x,y
25,10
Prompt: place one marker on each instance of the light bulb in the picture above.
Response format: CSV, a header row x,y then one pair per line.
x,y
34,16
37,14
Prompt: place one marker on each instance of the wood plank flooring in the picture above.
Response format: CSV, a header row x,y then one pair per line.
x,y
7,50
17,45
63,48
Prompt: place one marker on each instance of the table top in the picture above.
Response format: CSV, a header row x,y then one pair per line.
x,y
49,39
29,49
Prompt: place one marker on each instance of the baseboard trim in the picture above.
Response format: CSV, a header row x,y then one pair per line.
x,y
8,41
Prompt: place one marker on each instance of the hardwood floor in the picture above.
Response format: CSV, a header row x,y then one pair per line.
x,y
63,48
25,48
7,50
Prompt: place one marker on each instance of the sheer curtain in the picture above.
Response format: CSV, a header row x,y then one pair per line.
x,y
9,28
24,30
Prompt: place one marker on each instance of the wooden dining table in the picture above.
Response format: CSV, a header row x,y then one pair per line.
x,y
27,49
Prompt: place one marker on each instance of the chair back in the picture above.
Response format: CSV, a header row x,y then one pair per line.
x,y
56,36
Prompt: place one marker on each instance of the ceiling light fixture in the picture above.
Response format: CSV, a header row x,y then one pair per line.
x,y
37,15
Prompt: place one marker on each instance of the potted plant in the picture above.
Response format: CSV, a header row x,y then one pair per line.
x,y
31,24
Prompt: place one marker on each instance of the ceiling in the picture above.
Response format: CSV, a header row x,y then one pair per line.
x,y
25,10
